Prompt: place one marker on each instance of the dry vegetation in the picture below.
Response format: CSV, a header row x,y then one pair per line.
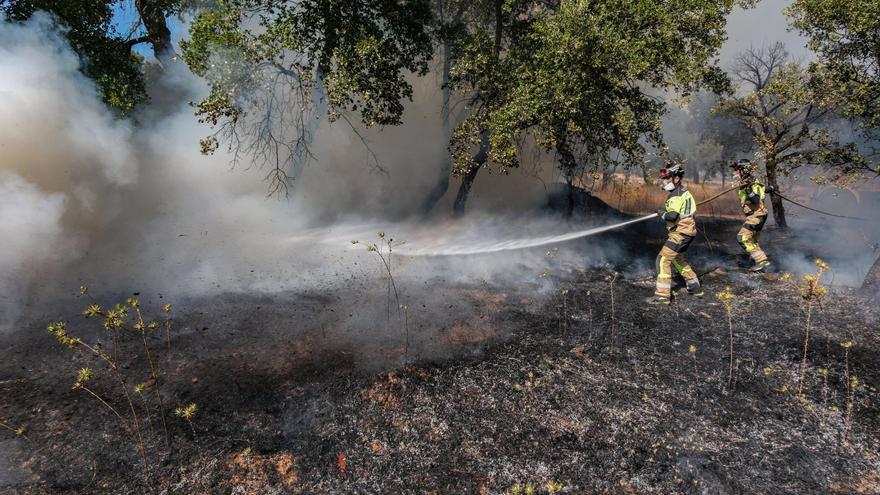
x,y
540,394
628,193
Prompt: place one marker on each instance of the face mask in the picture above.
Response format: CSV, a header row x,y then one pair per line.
x,y
668,186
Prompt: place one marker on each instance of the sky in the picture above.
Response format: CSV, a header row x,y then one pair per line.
x,y
125,17
764,24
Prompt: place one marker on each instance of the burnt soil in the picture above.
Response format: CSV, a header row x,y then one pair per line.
x,y
510,389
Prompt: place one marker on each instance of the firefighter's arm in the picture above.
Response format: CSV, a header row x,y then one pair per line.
x,y
755,194
669,216
672,210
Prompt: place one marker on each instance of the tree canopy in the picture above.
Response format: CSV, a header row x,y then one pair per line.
x,y
273,67
846,39
583,79
108,54
780,104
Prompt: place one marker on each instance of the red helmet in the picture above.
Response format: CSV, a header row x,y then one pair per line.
x,y
671,171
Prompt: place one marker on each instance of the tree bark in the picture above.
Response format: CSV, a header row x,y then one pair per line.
x,y
442,186
775,199
568,166
153,17
871,285
483,154
464,191
468,180
569,181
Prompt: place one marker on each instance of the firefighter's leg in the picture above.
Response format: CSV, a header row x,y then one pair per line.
x,y
690,276
761,257
664,273
674,244
683,267
748,239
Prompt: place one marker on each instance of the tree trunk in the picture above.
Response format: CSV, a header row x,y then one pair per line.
x,y
153,17
569,181
437,192
775,199
568,164
468,180
442,186
871,285
483,154
464,191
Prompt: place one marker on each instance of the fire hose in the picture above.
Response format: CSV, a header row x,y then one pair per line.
x,y
532,242
820,211
493,247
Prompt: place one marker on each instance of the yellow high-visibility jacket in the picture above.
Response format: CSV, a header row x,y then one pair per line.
x,y
680,211
751,198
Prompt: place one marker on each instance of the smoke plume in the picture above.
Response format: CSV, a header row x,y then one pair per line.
x,y
89,198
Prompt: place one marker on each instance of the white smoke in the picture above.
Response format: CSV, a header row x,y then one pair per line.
x,y
89,198
31,232
59,151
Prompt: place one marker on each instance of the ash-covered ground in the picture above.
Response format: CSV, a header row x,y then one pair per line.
x,y
556,380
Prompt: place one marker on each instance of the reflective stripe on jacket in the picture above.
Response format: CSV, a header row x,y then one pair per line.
x,y
680,211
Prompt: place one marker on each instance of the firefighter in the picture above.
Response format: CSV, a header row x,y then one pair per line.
x,y
678,212
751,197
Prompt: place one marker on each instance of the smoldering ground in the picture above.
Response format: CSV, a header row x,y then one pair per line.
x,y
275,306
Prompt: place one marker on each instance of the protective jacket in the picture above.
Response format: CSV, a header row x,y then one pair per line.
x,y
680,211
751,198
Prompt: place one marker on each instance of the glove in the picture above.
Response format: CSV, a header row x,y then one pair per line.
x,y
770,189
661,212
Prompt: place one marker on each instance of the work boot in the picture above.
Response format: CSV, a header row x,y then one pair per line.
x,y
656,300
693,288
760,267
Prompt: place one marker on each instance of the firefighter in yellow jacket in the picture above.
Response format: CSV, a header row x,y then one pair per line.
x,y
751,197
678,212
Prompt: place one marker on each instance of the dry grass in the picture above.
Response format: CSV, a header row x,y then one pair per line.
x,y
250,472
632,195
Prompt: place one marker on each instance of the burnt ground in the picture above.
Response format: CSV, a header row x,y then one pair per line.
x,y
509,389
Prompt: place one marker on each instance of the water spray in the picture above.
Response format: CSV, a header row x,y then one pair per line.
x,y
509,245
494,247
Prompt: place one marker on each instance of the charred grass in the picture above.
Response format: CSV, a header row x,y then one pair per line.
x,y
540,401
